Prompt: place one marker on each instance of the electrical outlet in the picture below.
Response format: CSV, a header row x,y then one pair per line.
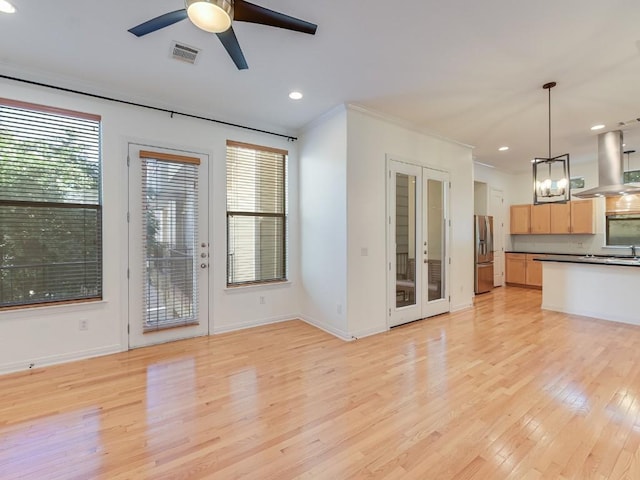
x,y
262,300
83,324
339,309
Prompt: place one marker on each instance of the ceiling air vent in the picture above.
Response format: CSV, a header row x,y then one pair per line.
x,y
184,53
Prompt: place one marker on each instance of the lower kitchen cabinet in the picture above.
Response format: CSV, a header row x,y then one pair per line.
x,y
516,268
534,271
523,270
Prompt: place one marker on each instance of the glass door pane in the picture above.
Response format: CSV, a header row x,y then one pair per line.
x,y
405,239
435,239
169,226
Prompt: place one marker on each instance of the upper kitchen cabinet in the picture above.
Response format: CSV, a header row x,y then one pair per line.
x,y
575,217
540,219
560,217
582,217
520,219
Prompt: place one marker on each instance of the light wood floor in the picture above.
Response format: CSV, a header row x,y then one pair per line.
x,y
501,391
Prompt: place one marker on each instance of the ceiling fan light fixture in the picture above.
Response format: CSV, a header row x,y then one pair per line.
x,y
210,15
6,7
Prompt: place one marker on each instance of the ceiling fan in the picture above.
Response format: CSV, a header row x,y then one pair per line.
x,y
216,16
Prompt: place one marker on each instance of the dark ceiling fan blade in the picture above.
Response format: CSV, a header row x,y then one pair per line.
x,y
231,45
248,12
159,22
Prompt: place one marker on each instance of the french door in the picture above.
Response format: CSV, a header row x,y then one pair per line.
x,y
418,242
168,245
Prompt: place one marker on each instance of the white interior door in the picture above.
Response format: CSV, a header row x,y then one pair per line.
x,y
417,242
496,209
168,245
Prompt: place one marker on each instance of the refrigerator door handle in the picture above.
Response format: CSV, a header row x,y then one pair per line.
x,y
489,234
477,238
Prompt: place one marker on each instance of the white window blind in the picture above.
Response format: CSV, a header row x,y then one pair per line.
x,y
169,223
256,214
50,205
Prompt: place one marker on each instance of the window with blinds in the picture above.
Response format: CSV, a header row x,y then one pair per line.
x,y
50,205
169,232
256,214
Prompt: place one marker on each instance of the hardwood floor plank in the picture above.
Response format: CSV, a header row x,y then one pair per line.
x,y
503,390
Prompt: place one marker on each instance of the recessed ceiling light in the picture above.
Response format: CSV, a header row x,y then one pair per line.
x,y
6,7
597,127
295,95
503,149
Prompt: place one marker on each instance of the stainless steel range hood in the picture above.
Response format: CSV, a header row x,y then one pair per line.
x,y
610,169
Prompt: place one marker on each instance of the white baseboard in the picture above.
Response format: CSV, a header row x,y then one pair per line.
x,y
368,332
341,334
253,323
57,359
585,312
464,306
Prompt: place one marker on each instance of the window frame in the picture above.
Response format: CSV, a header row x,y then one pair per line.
x,y
283,216
96,206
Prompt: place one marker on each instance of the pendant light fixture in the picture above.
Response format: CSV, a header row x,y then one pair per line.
x,y
551,174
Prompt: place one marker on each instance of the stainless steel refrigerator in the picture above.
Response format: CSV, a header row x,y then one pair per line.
x,y
483,253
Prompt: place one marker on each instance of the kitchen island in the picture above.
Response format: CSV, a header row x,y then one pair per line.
x,y
601,287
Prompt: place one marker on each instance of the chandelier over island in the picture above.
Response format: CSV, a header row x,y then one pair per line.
x,y
551,174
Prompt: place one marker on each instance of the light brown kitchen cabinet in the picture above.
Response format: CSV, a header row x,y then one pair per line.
x,y
560,218
533,274
582,218
520,219
574,217
540,219
523,270
516,268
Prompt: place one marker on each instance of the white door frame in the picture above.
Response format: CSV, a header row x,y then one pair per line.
x,y
135,305
497,211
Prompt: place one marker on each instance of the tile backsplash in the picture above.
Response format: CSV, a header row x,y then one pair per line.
x,y
571,244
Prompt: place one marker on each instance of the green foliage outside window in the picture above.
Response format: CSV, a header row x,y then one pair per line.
x,y
50,215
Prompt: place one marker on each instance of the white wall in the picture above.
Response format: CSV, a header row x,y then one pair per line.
x,y
370,139
323,222
50,334
480,198
496,180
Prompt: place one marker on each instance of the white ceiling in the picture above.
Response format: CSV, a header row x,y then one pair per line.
x,y
471,71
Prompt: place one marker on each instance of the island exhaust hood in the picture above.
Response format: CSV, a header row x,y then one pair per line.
x,y
610,169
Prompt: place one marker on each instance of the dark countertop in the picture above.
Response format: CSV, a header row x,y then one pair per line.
x,y
592,260
543,253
